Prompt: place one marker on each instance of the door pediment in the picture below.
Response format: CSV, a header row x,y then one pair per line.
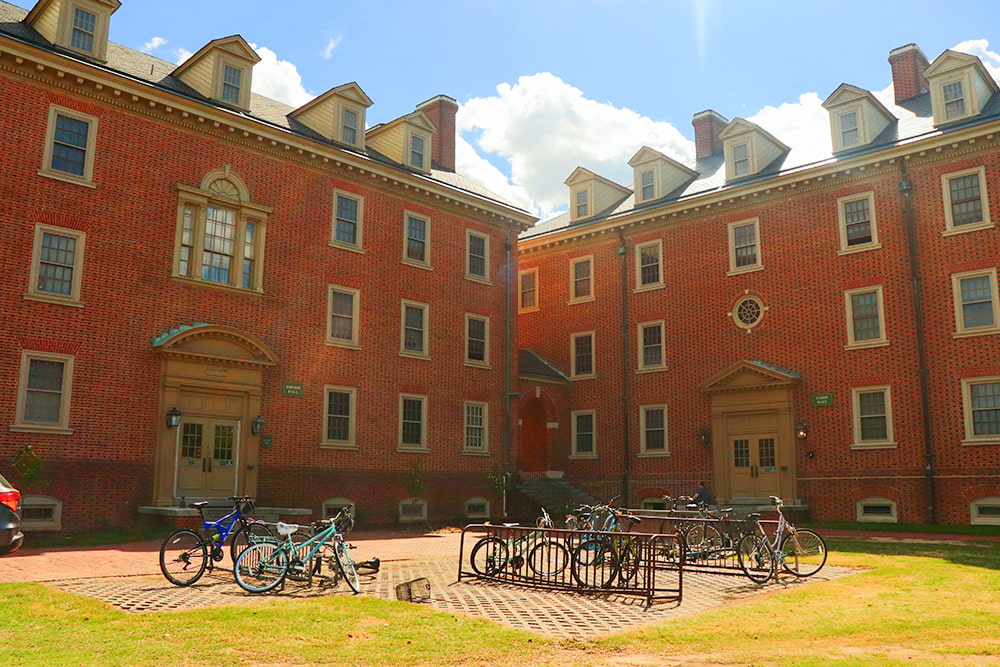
x,y
750,375
214,344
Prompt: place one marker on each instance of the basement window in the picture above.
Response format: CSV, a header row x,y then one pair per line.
x,y
876,510
412,510
986,512
41,513
477,508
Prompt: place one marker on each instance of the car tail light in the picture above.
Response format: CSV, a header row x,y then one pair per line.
x,y
10,499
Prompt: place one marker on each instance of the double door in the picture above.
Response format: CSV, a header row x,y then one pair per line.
x,y
754,465
207,455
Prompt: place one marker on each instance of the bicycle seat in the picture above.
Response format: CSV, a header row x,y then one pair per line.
x,y
287,529
200,503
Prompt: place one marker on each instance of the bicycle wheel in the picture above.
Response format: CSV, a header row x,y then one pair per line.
x,y
627,550
261,567
594,563
346,565
183,557
804,552
756,558
489,556
254,533
702,539
548,558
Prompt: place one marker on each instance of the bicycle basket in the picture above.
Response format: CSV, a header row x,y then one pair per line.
x,y
247,506
344,521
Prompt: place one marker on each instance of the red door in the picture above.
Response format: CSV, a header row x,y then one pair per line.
x,y
534,438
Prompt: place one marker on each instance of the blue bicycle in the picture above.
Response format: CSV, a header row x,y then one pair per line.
x,y
187,553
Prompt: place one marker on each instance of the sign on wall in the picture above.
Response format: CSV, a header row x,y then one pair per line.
x,y
295,389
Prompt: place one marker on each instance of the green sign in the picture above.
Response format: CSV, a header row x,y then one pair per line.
x,y
293,389
819,400
265,441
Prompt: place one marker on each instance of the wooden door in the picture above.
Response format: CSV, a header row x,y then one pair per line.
x,y
207,453
754,469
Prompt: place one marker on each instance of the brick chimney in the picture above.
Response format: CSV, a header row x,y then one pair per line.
x,y
908,65
441,110
707,126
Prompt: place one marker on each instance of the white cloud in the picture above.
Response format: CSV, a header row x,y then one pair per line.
x,y
331,44
544,128
981,48
153,44
803,126
471,164
278,79
180,55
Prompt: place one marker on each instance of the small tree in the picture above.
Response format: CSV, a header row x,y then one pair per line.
x,y
26,466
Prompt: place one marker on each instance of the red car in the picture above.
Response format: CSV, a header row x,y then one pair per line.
x,y
11,536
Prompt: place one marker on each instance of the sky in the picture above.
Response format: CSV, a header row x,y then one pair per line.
x,y
545,86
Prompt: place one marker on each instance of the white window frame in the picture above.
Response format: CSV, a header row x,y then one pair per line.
x,y
425,164
413,518
875,518
485,449
521,308
882,340
485,278
575,203
975,519
842,203
341,125
36,294
66,394
31,501
90,150
406,447
246,71
640,187
478,500
353,342
424,352
351,442
331,506
889,441
731,231
639,247
102,18
971,438
644,450
485,363
939,105
839,143
426,262
574,451
358,246
641,357
731,162
573,296
575,375
962,331
949,220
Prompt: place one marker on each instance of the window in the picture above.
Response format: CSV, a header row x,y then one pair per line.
x,y
648,185
652,348
741,160
416,244
985,511
332,507
872,408
413,341
220,234
653,430
339,416
477,252
84,28
413,422
966,206
582,351
412,510
231,84
748,311
975,302
418,145
865,317
648,273
954,100
43,395
348,217
56,265
41,513
584,434
477,340
581,279
342,308
477,508
876,510
744,253
849,135
476,428
349,126
857,223
582,203
528,291
69,146
981,408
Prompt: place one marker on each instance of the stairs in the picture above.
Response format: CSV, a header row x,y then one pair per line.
x,y
557,496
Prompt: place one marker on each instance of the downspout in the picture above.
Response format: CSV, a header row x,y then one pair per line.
x,y
626,386
507,346
916,289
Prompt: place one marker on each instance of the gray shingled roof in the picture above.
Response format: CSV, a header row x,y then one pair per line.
x,y
531,364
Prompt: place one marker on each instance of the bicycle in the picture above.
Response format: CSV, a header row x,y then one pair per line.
x,y
546,557
187,553
602,557
799,551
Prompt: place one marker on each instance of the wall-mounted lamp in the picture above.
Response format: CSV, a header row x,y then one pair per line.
x,y
801,431
256,425
704,436
173,417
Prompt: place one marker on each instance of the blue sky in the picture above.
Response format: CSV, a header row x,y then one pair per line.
x,y
546,86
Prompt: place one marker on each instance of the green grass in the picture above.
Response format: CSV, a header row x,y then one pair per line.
x,y
986,531
913,604
108,535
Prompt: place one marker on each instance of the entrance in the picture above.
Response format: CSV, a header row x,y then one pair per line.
x,y
754,471
207,452
534,437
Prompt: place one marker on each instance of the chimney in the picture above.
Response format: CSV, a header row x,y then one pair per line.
x,y
707,127
441,110
908,65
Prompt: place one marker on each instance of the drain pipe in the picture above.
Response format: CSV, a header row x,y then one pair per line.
x,y
507,346
626,385
916,289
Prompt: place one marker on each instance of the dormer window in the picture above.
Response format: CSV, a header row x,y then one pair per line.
x,y
648,185
856,117
749,148
231,79
741,160
960,86
849,129
417,154
337,115
954,101
221,71
84,29
349,127
582,204
406,140
655,175
591,195
79,25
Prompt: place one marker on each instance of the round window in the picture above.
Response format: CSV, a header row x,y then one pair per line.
x,y
748,312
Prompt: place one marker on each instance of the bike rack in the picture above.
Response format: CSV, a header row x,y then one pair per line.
x,y
543,558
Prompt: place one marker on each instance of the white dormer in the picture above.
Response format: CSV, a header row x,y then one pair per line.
x,y
856,117
221,71
406,140
77,25
656,175
590,194
338,114
749,148
960,86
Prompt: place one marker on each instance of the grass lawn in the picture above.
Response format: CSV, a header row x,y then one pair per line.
x,y
913,604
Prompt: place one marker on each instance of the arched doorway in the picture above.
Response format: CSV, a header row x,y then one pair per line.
x,y
534,437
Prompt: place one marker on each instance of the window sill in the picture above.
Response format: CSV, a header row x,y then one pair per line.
x,y
853,250
420,265
415,355
971,227
649,288
581,457
972,333
478,364
232,289
470,452
45,298
348,446
412,450
347,246
745,269
652,455
591,376
652,369
344,344
478,279
38,428
874,445
585,299
969,443
533,309
867,344
67,178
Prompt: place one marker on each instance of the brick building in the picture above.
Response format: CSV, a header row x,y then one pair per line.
x,y
823,328
207,292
